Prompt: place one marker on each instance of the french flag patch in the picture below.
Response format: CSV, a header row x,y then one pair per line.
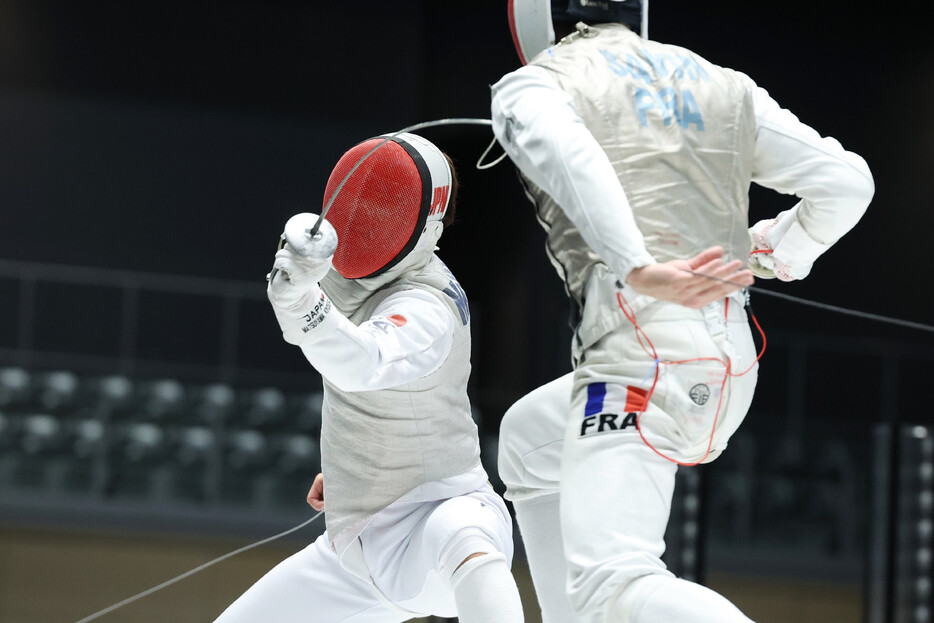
x,y
612,407
596,396
601,394
636,399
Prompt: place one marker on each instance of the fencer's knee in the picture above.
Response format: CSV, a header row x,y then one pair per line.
x,y
474,562
464,547
513,445
530,441
614,598
468,525
531,437
471,557
619,607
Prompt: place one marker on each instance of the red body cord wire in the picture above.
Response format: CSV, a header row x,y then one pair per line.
x,y
649,348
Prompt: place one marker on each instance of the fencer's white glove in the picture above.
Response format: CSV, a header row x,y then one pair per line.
x,y
292,274
781,248
760,257
302,309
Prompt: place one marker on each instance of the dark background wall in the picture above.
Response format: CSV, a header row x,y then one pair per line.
x,y
177,137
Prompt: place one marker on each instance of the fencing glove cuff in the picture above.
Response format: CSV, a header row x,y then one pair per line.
x,y
310,319
302,309
787,251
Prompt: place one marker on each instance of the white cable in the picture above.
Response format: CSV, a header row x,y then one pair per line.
x,y
645,19
484,167
448,121
152,590
389,137
479,165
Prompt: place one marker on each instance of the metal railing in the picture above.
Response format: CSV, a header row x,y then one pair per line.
x,y
24,280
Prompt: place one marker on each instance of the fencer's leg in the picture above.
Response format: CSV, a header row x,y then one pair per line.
x,y
615,505
309,585
531,435
540,524
469,540
658,599
485,591
530,440
617,490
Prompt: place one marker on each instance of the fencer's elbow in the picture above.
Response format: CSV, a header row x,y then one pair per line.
x,y
862,186
862,192
868,190
853,189
509,455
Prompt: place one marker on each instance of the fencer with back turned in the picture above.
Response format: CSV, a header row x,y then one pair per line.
x,y
638,157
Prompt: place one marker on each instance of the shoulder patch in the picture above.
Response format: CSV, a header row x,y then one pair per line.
x,y
456,292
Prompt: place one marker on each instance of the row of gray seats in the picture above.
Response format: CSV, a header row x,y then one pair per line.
x,y
112,436
42,453
118,397
109,426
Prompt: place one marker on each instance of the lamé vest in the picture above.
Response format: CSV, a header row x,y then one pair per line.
x,y
680,134
382,445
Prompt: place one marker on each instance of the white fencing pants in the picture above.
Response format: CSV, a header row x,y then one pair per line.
x,y
615,490
531,437
411,550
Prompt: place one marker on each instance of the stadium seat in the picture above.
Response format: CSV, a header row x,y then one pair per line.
x,y
58,392
164,400
215,404
15,389
305,413
247,450
196,445
264,408
87,439
145,442
114,397
42,435
298,454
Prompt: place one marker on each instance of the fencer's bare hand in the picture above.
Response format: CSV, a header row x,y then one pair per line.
x,y
693,282
316,493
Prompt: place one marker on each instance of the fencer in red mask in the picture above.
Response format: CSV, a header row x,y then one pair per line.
x,y
412,525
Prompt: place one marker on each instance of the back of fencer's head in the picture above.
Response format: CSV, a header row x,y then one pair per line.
x,y
537,24
566,13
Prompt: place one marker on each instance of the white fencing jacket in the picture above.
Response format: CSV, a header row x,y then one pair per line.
x,y
397,423
636,151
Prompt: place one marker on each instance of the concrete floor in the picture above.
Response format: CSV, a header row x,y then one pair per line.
x,y
61,577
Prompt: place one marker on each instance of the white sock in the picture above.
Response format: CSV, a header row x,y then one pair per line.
x,y
540,525
662,599
486,592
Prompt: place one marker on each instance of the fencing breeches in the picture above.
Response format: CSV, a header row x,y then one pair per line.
x,y
616,489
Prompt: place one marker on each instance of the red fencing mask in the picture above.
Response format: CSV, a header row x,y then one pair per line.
x,y
383,206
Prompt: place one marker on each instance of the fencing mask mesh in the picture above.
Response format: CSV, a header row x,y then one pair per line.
x,y
383,207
